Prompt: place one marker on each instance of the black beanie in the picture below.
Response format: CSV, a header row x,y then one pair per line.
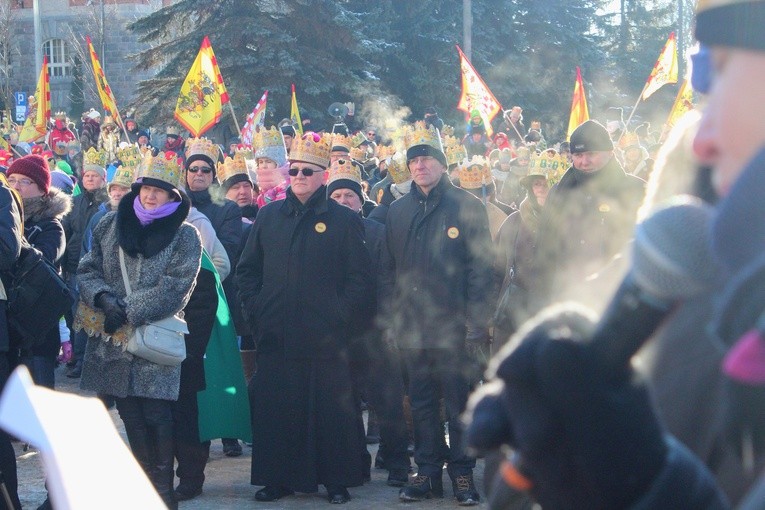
x,y
196,157
235,179
345,184
590,136
425,150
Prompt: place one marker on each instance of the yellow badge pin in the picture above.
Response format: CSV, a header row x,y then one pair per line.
x,y
320,227
453,232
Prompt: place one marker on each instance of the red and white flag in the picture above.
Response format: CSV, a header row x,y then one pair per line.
x,y
255,119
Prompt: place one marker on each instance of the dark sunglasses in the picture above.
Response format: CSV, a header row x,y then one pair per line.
x,y
307,172
197,169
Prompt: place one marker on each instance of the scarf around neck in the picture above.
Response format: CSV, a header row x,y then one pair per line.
x,y
146,216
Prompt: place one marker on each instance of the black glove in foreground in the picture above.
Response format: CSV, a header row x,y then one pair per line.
x,y
113,309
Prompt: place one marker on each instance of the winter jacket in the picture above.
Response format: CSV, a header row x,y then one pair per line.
x,y
87,236
210,242
10,249
304,276
162,262
199,314
226,219
588,218
43,230
84,206
438,278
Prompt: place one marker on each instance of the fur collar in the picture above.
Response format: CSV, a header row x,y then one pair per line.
x,y
154,237
56,204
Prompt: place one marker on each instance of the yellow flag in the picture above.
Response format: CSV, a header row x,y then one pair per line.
x,y
36,126
203,93
476,96
104,91
579,111
665,69
683,103
295,113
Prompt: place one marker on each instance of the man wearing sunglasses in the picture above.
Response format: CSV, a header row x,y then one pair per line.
x,y
304,282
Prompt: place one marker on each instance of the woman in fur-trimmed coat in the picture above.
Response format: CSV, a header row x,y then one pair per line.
x,y
162,256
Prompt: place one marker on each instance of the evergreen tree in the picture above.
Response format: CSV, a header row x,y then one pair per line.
x,y
76,94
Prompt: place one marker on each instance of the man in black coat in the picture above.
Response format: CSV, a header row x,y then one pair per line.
x,y
304,280
438,287
588,219
11,229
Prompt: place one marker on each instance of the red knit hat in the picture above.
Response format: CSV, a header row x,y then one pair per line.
x,y
35,167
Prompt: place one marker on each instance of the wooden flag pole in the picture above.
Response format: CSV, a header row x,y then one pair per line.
x,y
632,113
236,122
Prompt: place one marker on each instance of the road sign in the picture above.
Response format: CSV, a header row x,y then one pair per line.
x,y
21,106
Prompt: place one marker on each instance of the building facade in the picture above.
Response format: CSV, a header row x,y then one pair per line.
x,y
64,25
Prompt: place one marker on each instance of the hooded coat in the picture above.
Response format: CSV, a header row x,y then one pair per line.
x,y
43,230
162,262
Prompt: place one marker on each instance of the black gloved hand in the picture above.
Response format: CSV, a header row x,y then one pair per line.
x,y
114,310
583,439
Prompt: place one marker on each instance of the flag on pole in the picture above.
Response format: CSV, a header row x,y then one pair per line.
x,y
683,103
665,69
256,118
295,113
476,95
104,91
579,111
36,124
203,93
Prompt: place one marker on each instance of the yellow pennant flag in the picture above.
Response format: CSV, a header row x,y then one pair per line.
x,y
36,126
665,69
579,111
683,103
104,91
203,93
295,113
476,95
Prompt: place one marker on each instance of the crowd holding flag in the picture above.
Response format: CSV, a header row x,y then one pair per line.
x,y
255,120
36,125
203,93
295,113
476,95
579,111
104,91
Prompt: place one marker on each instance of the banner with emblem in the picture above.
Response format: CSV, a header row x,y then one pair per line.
x,y
683,103
255,119
295,113
36,125
579,111
203,93
665,69
476,95
104,91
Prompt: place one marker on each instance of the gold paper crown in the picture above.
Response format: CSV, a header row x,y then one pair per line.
x,y
344,169
231,167
108,121
548,164
60,116
385,151
312,148
269,143
419,134
165,166
129,155
245,151
123,176
447,130
203,147
358,153
341,142
398,169
455,151
172,130
475,173
94,158
358,139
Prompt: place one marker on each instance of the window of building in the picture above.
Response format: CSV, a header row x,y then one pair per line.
x,y
59,61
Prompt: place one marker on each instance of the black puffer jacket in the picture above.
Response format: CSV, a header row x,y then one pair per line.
x,y
200,317
438,267
84,206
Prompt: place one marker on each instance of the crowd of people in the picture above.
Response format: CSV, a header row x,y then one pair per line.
x,y
380,270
